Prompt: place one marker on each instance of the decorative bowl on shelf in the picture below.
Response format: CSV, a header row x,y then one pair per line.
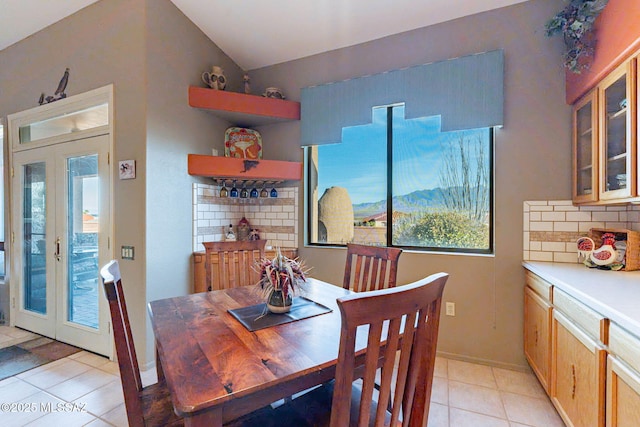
x,y
273,92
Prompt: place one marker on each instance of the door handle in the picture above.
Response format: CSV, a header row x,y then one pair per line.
x,y
57,252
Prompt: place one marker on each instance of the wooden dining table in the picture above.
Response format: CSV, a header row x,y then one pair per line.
x,y
217,370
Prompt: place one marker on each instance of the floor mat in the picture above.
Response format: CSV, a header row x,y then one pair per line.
x,y
31,354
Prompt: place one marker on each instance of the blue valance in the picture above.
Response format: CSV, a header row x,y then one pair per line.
x,y
467,92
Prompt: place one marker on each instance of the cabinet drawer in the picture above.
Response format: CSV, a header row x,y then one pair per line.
x,y
624,346
592,322
539,285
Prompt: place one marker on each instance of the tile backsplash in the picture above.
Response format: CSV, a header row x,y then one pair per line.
x,y
275,218
552,227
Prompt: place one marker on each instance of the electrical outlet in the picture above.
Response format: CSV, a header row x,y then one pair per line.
x,y
450,308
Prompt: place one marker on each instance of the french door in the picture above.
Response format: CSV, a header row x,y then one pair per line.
x,y
60,236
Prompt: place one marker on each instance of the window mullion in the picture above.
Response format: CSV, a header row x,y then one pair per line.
x,y
390,176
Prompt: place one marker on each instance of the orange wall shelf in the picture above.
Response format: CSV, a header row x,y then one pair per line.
x,y
242,169
242,109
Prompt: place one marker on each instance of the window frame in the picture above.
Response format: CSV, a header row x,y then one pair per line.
x,y
309,212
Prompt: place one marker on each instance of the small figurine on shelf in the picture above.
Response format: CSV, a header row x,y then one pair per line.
x,y
243,230
254,234
247,85
230,236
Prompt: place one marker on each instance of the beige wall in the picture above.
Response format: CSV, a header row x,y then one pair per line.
x,y
101,44
532,156
151,53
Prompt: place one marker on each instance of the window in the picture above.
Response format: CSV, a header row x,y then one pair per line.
x,y
398,182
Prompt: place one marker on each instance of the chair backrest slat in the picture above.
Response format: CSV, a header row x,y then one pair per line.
x,y
125,349
370,268
236,263
403,322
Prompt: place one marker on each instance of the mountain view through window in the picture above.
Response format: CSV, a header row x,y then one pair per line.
x,y
397,182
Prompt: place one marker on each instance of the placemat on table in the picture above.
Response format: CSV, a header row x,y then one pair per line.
x,y
257,316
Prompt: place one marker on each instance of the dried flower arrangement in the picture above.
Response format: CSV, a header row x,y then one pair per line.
x,y
575,23
280,278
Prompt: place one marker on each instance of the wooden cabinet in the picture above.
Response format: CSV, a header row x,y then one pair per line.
x,y
578,361
585,149
623,378
605,140
577,374
537,332
199,281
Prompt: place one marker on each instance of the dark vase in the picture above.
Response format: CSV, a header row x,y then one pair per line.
x,y
277,303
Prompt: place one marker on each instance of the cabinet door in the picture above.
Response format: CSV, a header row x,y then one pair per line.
x,y
585,149
616,104
537,336
623,395
577,375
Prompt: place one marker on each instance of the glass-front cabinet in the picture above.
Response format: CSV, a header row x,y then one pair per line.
x,y
617,142
605,140
585,149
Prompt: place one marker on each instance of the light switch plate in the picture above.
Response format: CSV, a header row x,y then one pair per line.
x,y
126,252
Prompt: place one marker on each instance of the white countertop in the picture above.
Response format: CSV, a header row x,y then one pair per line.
x,y
614,294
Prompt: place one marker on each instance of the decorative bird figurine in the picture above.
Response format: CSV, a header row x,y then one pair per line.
x,y
605,254
59,93
63,84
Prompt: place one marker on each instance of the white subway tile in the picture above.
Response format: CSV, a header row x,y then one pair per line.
x,y
563,208
605,216
553,246
525,241
586,226
525,221
541,226
535,246
560,203
540,256
553,216
525,256
534,216
579,216
541,208
565,226
565,257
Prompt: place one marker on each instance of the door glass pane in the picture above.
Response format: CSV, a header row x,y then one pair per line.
x,y
34,238
616,134
584,157
82,238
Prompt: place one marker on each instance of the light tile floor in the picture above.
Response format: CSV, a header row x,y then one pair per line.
x,y
86,390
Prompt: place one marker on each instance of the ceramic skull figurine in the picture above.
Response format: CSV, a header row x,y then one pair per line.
x,y
215,79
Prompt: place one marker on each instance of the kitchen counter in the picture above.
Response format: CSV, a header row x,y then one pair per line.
x,y
614,294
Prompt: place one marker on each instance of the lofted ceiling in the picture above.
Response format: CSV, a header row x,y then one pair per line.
x,y
259,33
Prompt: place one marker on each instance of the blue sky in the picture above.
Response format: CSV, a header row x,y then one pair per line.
x,y
360,160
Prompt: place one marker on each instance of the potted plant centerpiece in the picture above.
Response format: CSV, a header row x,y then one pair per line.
x,y
280,278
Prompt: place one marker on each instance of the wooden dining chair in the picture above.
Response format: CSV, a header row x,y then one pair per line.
x,y
370,268
410,315
146,406
236,263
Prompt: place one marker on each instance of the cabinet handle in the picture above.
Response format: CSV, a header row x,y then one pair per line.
x,y
536,333
573,378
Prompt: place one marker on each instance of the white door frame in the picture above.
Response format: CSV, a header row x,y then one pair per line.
x,y
60,110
